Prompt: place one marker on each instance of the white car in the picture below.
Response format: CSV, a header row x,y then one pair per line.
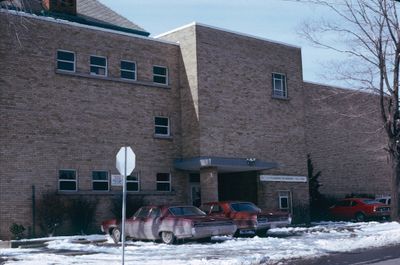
x,y
385,199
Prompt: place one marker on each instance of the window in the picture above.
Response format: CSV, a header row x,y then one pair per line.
x,y
98,65
279,86
216,209
132,182
143,212
100,180
185,211
160,75
244,207
163,181
67,180
161,126
344,203
65,61
284,200
155,212
128,70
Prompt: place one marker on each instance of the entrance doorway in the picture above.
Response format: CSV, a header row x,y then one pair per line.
x,y
194,189
238,186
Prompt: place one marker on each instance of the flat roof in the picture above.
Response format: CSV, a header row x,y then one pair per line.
x,y
228,31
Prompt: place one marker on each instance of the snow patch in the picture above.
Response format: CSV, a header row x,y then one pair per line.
x,y
282,244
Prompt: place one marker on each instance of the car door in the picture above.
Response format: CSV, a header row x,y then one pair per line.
x,y
135,225
152,223
216,210
341,209
355,207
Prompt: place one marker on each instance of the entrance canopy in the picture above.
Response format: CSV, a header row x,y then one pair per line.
x,y
224,164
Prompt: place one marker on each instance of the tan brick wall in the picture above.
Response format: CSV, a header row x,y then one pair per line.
x,y
209,184
188,90
52,121
232,89
346,140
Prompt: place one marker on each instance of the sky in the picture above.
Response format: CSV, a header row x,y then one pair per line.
x,y
277,20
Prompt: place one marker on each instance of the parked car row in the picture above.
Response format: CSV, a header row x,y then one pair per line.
x,y
170,223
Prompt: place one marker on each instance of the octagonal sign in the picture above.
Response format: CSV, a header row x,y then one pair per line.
x,y
126,160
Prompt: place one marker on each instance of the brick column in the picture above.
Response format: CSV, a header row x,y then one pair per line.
x,y
209,184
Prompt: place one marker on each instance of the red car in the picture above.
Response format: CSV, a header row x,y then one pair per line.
x,y
169,223
359,209
249,219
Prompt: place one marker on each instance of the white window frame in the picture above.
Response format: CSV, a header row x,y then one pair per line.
x,y
279,93
158,75
163,181
100,66
65,61
284,194
68,180
134,181
107,181
162,126
127,70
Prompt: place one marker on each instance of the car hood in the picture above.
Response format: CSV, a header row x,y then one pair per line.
x,y
201,218
274,213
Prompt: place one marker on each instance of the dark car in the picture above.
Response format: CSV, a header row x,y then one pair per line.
x,y
360,209
249,219
169,223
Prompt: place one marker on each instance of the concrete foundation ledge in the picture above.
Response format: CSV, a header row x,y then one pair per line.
x,y
23,243
5,244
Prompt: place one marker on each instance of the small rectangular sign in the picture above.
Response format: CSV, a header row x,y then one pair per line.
x,y
283,178
116,180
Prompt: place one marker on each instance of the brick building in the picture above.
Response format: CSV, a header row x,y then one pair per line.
x,y
211,115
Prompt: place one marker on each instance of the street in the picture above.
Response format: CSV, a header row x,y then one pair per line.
x,y
377,256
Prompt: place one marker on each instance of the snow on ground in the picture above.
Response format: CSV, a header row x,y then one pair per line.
x,y
282,243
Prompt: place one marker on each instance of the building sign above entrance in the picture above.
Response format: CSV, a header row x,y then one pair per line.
x,y
283,178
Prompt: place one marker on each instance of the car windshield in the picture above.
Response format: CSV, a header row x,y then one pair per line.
x,y
186,211
370,201
244,207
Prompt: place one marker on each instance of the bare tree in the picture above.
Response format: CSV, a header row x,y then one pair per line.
x,y
370,31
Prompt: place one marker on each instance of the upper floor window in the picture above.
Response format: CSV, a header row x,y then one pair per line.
x,y
100,180
279,85
161,126
98,65
67,180
128,70
163,181
160,75
65,61
132,182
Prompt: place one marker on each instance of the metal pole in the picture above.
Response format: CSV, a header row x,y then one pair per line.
x,y
33,212
124,208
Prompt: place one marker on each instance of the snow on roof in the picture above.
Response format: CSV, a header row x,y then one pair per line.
x,y
90,12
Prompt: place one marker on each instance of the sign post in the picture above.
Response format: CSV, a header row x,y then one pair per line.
x,y
125,163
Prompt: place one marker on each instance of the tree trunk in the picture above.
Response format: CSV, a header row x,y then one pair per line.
x,y
395,188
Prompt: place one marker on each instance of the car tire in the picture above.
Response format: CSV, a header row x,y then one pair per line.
x,y
360,217
262,233
204,240
168,237
116,235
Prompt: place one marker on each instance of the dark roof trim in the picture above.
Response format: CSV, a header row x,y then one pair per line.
x,y
223,164
82,20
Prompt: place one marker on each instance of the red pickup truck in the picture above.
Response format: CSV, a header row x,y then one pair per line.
x,y
249,219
